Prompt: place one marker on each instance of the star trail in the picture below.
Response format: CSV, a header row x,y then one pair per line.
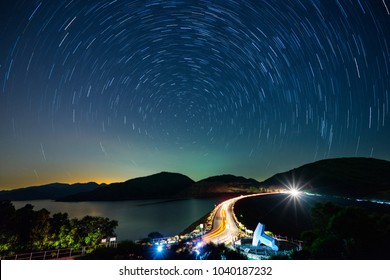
x,y
109,90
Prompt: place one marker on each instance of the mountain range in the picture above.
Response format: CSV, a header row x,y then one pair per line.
x,y
353,177
49,191
160,185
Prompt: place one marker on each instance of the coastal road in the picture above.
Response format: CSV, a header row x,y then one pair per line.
x,y
224,229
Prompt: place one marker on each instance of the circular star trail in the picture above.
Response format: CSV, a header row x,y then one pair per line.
x,y
108,90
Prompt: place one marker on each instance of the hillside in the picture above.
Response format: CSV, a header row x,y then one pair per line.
x,y
161,185
220,185
50,191
354,177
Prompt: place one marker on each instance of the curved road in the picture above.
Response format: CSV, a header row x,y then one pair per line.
x,y
224,228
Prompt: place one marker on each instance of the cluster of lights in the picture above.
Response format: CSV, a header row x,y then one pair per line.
x,y
198,247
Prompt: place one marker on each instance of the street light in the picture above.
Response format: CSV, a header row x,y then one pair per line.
x,y
294,192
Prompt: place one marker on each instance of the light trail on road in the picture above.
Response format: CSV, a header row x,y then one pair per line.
x,y
225,228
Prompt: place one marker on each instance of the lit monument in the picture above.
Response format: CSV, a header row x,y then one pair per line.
x,y
259,237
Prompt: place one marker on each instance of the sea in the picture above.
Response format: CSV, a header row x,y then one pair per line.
x,y
136,218
281,214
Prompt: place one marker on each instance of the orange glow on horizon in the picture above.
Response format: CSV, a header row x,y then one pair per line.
x,y
24,184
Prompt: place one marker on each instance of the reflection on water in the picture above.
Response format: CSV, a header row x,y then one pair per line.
x,y
137,218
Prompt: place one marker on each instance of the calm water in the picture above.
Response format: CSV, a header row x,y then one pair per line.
x,y
140,217
136,218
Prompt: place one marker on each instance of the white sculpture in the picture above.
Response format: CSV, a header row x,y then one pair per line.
x,y
259,237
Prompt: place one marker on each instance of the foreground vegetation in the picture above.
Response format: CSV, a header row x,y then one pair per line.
x,y
25,229
129,250
338,232
346,233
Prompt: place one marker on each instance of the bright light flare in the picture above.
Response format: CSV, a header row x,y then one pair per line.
x,y
159,248
294,192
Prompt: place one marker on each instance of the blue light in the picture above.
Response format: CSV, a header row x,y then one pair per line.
x,y
159,248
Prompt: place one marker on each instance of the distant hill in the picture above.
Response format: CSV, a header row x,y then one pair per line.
x,y
218,185
50,191
353,177
161,185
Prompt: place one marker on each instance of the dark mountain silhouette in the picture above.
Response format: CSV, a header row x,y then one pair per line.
x,y
161,185
354,177
221,185
229,179
50,191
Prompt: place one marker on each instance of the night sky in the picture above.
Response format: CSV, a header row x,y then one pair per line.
x,y
110,90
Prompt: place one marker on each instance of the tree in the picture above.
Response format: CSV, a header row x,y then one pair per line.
x,y
93,229
8,238
24,220
40,230
346,233
155,235
26,230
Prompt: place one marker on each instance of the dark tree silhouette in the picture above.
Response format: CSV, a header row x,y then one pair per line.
x,y
26,230
346,233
